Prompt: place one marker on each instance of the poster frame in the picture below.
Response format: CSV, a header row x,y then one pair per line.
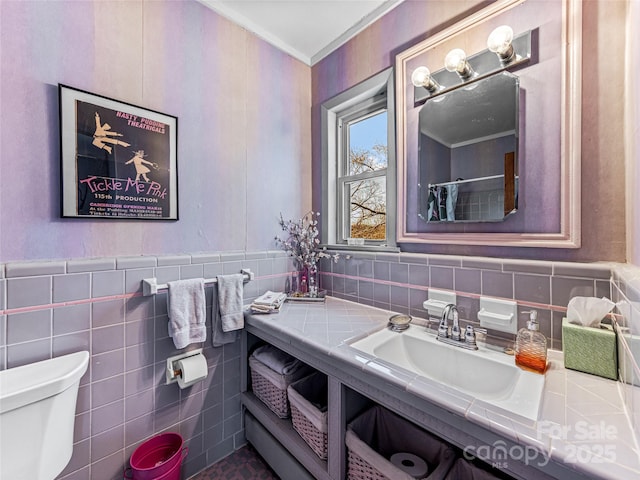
x,y
140,142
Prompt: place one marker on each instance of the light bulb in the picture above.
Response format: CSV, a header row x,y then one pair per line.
x,y
499,42
421,77
455,60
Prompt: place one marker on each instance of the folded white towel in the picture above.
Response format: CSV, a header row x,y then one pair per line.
x,y
269,302
272,299
277,360
266,309
187,312
230,301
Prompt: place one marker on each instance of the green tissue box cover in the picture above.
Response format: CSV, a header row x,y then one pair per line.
x,y
590,350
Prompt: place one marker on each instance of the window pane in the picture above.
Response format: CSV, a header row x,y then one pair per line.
x,y
368,144
368,215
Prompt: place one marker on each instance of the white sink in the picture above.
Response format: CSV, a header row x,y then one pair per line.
x,y
484,374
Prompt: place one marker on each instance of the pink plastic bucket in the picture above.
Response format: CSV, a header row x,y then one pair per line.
x,y
159,458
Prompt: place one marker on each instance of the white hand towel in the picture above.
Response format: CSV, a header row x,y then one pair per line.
x,y
277,360
187,313
230,301
218,337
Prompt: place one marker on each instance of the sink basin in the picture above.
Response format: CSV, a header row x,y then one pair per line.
x,y
483,374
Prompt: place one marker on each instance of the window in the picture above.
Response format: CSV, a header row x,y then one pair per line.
x,y
362,178
358,143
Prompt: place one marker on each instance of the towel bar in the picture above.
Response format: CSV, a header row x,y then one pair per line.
x,y
150,286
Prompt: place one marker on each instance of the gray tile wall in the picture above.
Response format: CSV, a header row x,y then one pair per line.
x,y
52,308
400,282
626,292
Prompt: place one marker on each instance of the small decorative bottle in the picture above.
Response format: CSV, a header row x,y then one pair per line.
x,y
531,346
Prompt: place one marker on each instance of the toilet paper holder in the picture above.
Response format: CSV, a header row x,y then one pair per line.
x,y
173,371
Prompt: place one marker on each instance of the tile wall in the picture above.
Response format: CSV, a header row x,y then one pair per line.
x,y
625,288
474,206
400,282
51,308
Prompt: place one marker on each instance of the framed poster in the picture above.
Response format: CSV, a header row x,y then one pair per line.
x,y
119,160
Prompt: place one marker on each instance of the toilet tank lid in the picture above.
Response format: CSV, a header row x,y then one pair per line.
x,y
20,386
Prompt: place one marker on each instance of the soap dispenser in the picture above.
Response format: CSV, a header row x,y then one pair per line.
x,y
531,346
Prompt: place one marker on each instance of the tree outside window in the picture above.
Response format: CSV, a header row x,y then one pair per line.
x,y
365,182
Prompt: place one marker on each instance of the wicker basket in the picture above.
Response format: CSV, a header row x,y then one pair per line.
x,y
271,387
377,434
308,400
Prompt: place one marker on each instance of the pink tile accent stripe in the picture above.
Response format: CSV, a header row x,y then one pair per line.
x,y
123,296
279,275
35,308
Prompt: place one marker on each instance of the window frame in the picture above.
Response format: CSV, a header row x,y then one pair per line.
x,y
361,112
362,100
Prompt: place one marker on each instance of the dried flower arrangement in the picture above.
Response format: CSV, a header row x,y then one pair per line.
x,y
302,242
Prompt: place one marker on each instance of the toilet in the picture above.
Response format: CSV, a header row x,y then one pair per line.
x,y
37,416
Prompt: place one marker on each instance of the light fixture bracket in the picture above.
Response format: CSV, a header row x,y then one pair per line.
x,y
483,63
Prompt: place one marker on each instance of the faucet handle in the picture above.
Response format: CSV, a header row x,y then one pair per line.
x,y
470,334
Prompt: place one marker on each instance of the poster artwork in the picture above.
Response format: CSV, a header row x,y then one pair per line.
x,y
122,164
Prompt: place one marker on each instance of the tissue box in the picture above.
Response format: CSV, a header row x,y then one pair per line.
x,y
590,350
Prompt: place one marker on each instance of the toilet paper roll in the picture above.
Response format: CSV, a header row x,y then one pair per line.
x,y
194,369
410,463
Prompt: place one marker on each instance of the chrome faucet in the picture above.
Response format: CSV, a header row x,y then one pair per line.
x,y
443,328
451,335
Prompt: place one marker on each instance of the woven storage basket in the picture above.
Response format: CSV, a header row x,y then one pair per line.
x,y
271,387
308,400
377,434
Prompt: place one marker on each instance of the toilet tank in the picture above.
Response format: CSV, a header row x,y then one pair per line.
x,y
37,416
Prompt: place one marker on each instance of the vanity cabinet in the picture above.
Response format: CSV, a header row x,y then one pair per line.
x,y
349,395
320,335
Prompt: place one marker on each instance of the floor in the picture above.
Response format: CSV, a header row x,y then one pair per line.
x,y
243,464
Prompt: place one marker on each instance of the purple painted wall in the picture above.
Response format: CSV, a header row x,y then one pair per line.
x,y
243,124
603,203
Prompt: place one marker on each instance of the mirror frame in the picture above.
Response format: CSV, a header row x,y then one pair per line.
x,y
570,137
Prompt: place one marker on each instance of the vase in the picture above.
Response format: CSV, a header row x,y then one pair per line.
x,y
312,282
308,282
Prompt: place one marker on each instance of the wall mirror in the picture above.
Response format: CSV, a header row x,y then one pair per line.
x,y
467,160
524,160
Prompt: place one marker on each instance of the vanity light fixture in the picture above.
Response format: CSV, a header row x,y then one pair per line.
x,y
456,61
500,42
421,77
511,52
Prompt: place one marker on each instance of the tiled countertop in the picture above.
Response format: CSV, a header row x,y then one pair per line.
x,y
582,424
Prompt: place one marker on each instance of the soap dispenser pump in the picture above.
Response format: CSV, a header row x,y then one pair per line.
x,y
531,346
